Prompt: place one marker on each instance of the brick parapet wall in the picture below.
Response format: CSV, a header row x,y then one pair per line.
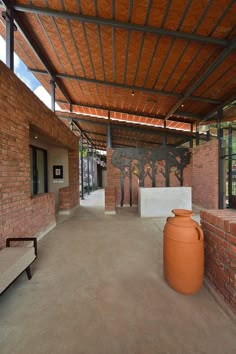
x,y
41,213
68,198
205,180
36,214
20,213
219,227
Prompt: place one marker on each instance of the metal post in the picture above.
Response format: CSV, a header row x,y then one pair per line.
x,y
53,86
92,169
88,165
208,136
164,141
9,40
81,167
191,140
95,170
197,135
109,131
167,169
220,160
230,164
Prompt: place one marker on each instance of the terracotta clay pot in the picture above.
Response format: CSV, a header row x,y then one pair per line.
x,y
183,252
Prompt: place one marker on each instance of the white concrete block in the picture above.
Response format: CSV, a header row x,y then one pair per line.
x,y
157,201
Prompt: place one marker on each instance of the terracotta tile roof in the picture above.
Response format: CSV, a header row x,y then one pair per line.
x,y
145,62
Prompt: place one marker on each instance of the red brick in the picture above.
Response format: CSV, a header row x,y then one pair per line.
x,y
231,290
230,256
220,253
223,258
230,238
221,277
208,217
216,230
230,273
233,302
232,250
227,223
232,280
232,264
222,291
233,228
205,175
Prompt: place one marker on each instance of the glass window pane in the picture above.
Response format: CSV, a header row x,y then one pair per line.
x,y
40,171
31,172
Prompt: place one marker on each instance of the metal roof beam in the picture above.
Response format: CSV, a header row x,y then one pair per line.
x,y
137,114
119,144
219,60
9,39
155,131
38,51
82,132
128,87
119,24
133,142
121,138
215,110
141,114
104,135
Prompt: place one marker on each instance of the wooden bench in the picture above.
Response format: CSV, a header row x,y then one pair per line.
x,y
15,260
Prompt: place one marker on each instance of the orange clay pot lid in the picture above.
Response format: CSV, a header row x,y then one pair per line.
x,y
182,212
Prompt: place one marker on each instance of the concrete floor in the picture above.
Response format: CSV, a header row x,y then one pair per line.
x,y
98,288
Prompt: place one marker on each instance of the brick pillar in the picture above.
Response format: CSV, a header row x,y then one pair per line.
x,y
219,227
110,200
69,196
73,158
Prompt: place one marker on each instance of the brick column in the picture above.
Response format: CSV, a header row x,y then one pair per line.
x,y
110,200
69,196
219,227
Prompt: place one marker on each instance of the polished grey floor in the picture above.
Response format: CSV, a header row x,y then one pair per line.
x,y
98,288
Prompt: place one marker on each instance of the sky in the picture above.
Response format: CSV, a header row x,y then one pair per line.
x,y
26,76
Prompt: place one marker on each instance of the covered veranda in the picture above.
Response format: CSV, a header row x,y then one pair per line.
x,y
151,75
98,287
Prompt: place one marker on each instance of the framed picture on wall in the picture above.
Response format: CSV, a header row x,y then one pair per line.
x,y
57,172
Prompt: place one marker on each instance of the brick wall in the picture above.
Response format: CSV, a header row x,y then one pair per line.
x,y
219,227
20,213
205,175
113,182
110,198
69,196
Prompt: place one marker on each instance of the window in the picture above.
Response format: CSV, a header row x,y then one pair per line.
x,y
38,170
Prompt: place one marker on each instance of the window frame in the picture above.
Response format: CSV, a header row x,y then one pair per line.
x,y
35,169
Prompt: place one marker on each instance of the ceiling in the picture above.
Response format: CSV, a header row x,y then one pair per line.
x,y
156,68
